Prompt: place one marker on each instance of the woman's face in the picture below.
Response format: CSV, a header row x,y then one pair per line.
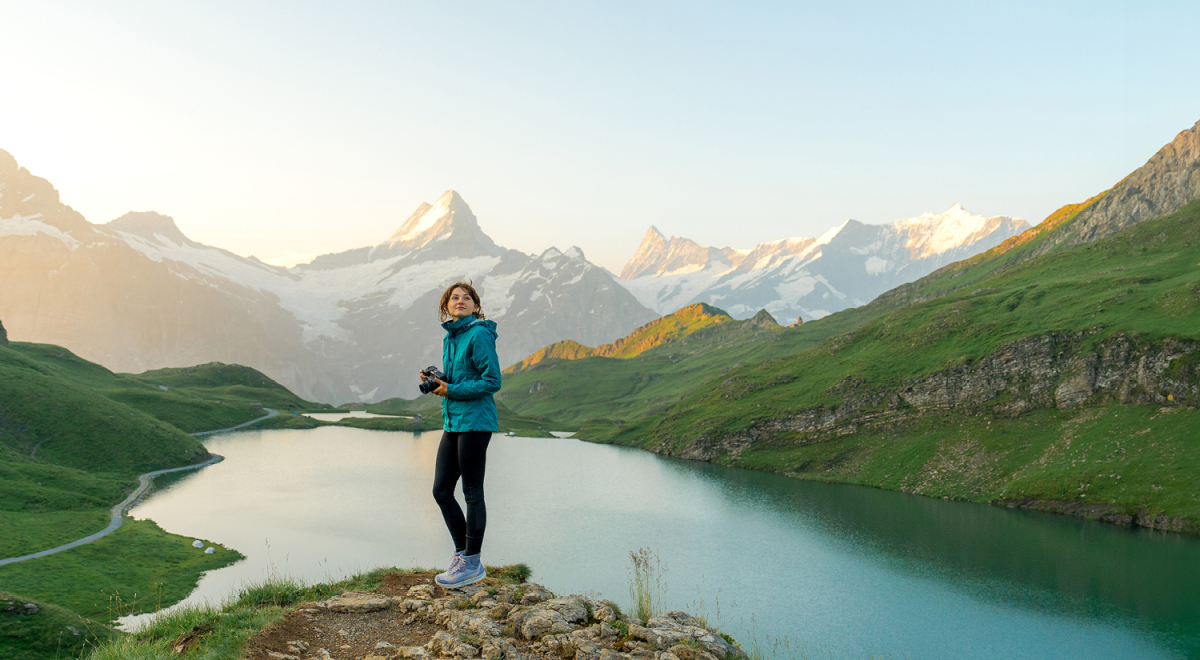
x,y
461,304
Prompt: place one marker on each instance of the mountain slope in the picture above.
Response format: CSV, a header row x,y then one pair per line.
x,y
137,294
808,278
670,328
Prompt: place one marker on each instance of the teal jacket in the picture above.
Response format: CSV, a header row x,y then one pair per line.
x,y
473,375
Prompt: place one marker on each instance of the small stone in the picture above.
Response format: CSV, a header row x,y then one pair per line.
x,y
413,652
31,608
384,645
282,656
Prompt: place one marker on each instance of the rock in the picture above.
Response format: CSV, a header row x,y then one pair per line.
x,y
448,645
499,649
585,650
357,601
468,622
384,645
604,610
324,655
276,655
421,592
412,652
690,653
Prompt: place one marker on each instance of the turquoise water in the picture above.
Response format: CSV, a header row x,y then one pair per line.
x,y
823,570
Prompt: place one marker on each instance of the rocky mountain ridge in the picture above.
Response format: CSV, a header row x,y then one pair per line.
x,y
1168,181
808,278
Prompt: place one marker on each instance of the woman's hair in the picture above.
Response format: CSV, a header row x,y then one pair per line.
x,y
443,307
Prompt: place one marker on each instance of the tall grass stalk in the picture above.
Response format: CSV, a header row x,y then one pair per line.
x,y
647,584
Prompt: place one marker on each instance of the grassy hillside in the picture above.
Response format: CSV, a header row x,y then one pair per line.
x,y
200,398
669,329
50,412
601,390
936,387
33,629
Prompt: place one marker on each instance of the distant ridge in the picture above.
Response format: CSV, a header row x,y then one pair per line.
x,y
792,278
660,331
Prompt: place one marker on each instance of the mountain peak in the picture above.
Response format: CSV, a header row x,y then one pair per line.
x,y
430,222
149,225
657,255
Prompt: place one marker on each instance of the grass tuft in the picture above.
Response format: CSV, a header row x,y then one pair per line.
x,y
647,587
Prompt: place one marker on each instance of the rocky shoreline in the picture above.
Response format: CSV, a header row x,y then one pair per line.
x,y
410,618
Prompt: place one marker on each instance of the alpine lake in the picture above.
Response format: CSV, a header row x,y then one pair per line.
x,y
799,569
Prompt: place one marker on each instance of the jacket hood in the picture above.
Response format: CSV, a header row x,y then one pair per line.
x,y
457,327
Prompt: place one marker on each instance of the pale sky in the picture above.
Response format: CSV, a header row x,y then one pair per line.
x,y
283,129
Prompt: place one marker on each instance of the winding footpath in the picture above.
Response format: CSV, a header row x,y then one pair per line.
x,y
117,514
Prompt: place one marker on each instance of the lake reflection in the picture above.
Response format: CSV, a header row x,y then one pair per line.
x,y
837,569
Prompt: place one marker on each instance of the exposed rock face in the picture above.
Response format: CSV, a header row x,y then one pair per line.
x,y
137,294
808,277
1038,372
1168,181
3,335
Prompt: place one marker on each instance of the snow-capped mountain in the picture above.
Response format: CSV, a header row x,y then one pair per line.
x,y
136,294
808,278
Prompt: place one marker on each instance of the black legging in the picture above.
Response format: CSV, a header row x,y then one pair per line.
x,y
462,454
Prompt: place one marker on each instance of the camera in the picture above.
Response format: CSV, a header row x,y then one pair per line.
x,y
431,373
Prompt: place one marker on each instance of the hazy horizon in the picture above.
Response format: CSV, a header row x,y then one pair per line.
x,y
290,130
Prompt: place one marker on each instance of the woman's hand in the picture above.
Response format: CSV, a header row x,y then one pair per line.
x,y
440,390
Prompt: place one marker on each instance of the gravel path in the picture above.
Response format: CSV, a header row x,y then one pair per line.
x,y
117,514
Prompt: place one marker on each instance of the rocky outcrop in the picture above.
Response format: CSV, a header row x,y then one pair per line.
x,y
514,621
1168,181
3,335
1048,371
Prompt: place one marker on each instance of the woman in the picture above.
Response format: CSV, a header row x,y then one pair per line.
x,y
468,420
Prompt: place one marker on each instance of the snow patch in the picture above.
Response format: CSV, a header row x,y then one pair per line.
x,y
29,225
875,265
